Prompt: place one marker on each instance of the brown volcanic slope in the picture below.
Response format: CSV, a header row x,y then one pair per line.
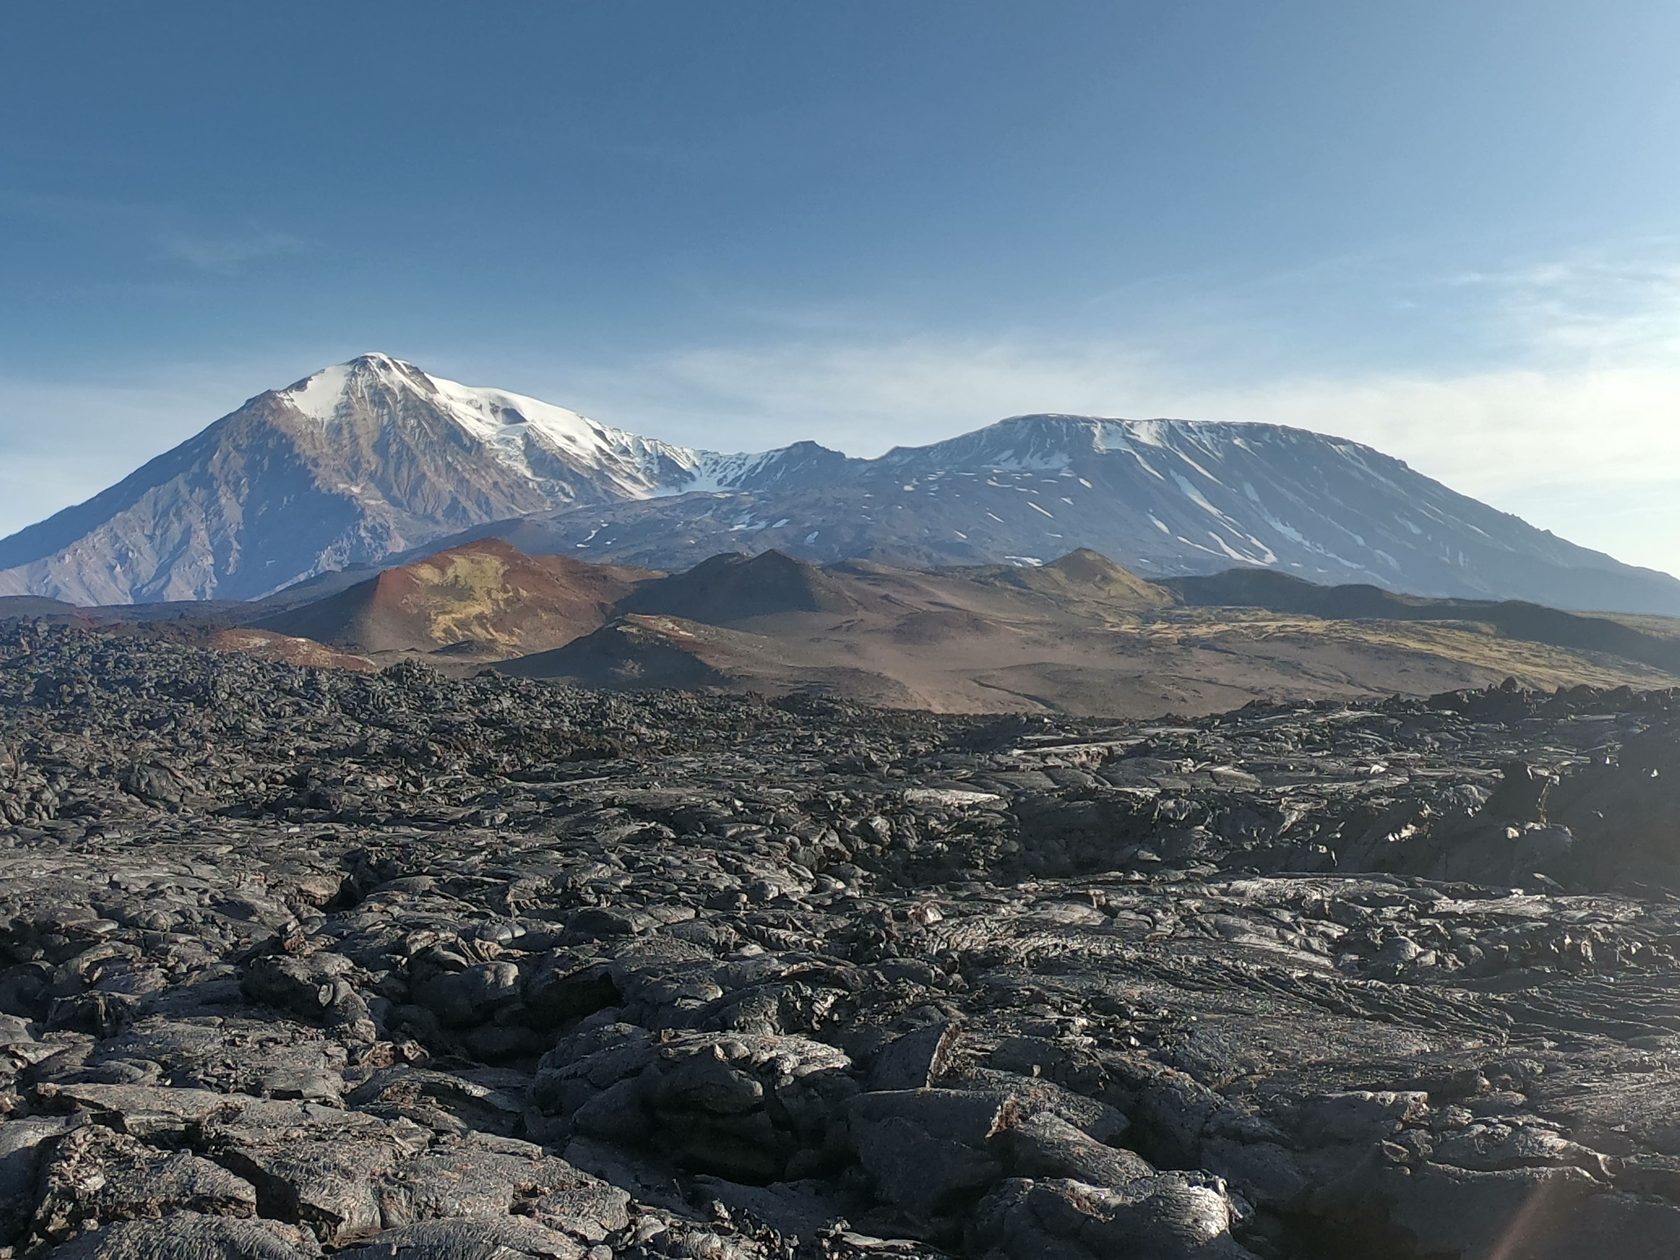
x,y
1080,635
1648,640
482,598
641,651
1083,577
270,646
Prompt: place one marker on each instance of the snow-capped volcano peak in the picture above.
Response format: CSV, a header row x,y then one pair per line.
x,y
532,438
537,439
355,462
328,393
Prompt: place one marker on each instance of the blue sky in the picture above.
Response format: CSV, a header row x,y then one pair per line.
x,y
1448,229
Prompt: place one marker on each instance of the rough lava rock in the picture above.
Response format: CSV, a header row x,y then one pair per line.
x,y
297,963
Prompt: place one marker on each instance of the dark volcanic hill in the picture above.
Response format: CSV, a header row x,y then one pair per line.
x,y
733,587
375,460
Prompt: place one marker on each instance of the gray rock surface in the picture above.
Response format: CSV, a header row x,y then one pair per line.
x,y
297,963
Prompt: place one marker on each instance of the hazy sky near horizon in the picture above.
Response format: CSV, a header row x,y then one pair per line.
x,y
1447,229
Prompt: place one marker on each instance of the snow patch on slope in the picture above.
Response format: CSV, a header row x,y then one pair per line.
x,y
494,415
535,439
510,425
320,395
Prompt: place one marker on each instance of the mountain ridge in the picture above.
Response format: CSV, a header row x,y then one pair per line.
x,y
1165,497
375,461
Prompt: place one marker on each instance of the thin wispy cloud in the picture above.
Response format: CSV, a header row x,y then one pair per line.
x,y
159,231
1597,303
229,254
1589,396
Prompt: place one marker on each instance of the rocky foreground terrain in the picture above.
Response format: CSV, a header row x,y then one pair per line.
x,y
301,962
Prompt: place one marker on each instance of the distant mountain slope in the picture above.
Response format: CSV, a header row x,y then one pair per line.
x,y
481,597
1078,634
1081,577
1515,619
1163,497
375,460
352,465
